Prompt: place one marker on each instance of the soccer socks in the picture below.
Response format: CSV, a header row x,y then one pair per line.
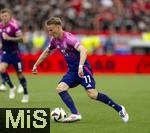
x,y
68,101
23,82
3,81
6,78
105,99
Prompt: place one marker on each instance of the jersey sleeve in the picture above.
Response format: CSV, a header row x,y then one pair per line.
x,y
51,45
73,41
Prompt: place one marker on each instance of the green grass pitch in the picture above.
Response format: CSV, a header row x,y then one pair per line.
x,y
132,91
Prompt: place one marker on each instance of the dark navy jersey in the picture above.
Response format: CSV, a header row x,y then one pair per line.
x,y
10,29
67,46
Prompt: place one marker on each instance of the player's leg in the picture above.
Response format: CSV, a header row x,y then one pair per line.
x,y
23,83
62,90
20,89
3,81
16,61
88,83
94,94
3,85
19,68
67,99
5,76
68,81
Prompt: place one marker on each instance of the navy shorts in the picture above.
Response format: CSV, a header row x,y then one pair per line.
x,y
13,59
72,79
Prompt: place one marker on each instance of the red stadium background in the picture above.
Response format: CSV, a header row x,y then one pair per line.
x,y
128,64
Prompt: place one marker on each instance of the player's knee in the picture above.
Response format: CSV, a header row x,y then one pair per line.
x,y
2,69
61,87
92,94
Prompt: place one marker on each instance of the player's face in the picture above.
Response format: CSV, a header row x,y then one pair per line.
x,y
54,30
5,17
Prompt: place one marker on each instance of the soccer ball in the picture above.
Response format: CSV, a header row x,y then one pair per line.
x,y
58,114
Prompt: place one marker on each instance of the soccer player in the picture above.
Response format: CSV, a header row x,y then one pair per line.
x,y
79,70
10,36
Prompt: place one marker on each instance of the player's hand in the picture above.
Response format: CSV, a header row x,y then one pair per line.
x,y
80,71
6,37
34,70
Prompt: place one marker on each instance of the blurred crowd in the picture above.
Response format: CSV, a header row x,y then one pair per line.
x,y
79,15
83,14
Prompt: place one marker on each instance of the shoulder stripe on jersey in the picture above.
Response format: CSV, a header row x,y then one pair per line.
x,y
77,45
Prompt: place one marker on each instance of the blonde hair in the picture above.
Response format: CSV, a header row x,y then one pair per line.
x,y
6,10
53,20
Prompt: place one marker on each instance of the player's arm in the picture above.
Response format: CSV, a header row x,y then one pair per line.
x,y
83,56
40,59
18,38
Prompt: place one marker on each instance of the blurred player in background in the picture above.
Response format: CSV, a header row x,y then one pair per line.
x,y
11,35
79,71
